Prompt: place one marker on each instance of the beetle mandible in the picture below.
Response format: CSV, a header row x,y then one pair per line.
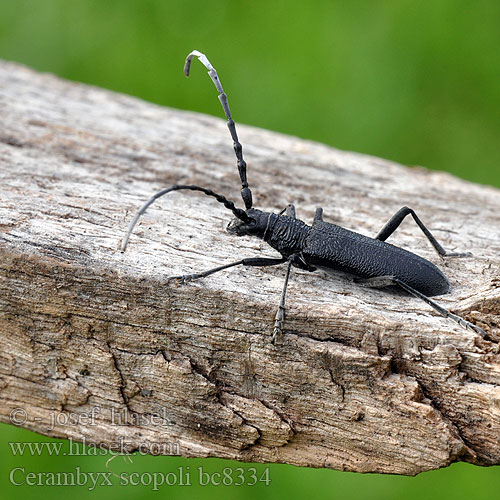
x,y
373,261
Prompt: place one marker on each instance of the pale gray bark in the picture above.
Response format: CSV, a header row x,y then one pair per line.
x,y
363,379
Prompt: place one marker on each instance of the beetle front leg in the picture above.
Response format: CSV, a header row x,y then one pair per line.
x,y
289,211
252,261
395,221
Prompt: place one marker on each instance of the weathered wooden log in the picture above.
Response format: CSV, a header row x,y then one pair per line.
x,y
96,345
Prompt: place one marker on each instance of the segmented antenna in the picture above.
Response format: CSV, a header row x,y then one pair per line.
x,y
246,194
240,214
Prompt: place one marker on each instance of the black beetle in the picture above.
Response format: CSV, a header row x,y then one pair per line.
x,y
323,245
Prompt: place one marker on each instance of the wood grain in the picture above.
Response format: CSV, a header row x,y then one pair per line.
x,y
98,347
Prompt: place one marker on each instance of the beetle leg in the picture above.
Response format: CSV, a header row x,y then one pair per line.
x,y
280,314
318,216
376,281
289,211
383,281
396,220
253,261
441,310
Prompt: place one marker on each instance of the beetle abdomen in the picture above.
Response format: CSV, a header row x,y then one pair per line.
x,y
334,247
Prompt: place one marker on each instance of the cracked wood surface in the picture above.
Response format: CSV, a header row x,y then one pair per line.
x,y
97,346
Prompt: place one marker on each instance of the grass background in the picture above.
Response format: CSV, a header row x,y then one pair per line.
x,y
412,81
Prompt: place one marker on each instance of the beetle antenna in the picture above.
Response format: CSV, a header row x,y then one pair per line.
x,y
246,194
240,214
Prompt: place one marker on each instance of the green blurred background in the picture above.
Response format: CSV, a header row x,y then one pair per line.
x,y
413,81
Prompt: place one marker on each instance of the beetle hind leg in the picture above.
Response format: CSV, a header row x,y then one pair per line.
x,y
376,281
394,222
441,310
383,281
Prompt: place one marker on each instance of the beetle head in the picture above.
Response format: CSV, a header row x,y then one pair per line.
x,y
257,224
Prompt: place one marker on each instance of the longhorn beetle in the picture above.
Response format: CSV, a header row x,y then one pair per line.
x,y
323,245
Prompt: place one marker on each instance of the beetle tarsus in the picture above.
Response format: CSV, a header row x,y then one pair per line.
x,y
278,323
